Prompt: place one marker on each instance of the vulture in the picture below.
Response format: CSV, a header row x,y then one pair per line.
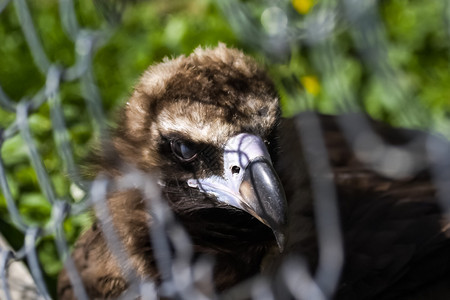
x,y
248,187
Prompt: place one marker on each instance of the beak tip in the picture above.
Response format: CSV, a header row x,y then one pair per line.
x,y
280,239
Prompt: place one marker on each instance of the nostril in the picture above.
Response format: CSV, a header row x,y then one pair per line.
x,y
235,170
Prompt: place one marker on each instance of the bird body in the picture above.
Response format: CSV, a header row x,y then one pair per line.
x,y
237,177
395,231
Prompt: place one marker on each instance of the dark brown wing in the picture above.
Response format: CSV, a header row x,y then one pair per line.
x,y
96,266
97,262
396,238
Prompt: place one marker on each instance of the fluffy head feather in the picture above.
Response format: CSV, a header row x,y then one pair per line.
x,y
204,98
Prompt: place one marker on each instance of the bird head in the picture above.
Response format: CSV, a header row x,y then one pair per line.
x,y
206,124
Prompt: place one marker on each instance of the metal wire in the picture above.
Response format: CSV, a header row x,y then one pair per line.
x,y
86,43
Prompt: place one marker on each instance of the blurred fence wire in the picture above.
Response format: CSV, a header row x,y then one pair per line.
x,y
86,42
276,30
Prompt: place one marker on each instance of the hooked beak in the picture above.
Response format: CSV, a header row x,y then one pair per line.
x,y
249,183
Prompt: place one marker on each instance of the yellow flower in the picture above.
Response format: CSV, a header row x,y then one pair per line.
x,y
303,6
311,84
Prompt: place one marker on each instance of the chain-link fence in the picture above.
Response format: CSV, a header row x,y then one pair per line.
x,y
14,284
283,32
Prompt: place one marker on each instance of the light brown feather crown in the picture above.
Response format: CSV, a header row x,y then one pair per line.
x,y
206,97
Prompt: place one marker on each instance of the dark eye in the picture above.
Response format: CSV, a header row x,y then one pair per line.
x,y
183,150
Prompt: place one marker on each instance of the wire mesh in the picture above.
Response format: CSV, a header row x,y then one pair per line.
x,y
14,287
276,31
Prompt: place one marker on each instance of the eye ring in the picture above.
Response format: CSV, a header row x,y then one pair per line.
x,y
183,150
